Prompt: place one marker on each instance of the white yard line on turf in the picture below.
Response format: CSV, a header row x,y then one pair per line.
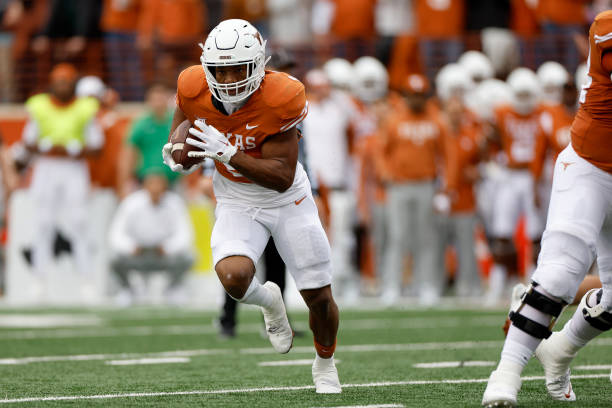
x,y
36,321
368,406
269,389
454,364
177,330
143,361
284,363
360,348
593,367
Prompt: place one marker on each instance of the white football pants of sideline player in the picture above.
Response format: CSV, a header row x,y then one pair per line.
x,y
458,230
412,229
579,227
59,186
514,196
342,208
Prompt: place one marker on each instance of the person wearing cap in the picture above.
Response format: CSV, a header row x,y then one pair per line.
x,y
61,131
151,232
409,158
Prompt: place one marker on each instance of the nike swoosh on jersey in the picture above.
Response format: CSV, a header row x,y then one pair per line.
x,y
251,127
297,202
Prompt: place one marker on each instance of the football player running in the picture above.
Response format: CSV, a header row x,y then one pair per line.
x,y
244,118
579,228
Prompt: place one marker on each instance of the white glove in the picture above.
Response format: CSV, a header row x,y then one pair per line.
x,y
74,148
44,145
213,143
174,166
441,203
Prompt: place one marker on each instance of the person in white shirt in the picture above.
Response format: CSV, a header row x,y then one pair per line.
x,y
150,232
326,136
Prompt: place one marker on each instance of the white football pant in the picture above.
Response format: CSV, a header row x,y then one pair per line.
x,y
60,186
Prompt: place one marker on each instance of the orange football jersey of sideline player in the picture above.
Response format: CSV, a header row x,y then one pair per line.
x,y
278,105
412,145
520,134
592,128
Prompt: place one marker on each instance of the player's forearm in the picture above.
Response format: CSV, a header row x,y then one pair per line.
x,y
274,174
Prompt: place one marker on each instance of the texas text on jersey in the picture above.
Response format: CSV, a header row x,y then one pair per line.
x,y
278,105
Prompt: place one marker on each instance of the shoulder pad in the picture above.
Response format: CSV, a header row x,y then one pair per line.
x,y
284,94
191,82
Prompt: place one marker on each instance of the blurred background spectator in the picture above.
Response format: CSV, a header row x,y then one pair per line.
x,y
148,135
60,131
151,232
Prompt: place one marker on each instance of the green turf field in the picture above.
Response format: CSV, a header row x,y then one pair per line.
x,y
85,361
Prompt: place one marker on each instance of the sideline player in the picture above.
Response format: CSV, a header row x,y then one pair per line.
x,y
245,119
579,228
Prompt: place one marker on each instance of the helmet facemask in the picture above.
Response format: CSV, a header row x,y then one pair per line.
x,y
235,92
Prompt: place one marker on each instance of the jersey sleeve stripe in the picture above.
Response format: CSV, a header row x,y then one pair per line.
x,y
297,120
602,38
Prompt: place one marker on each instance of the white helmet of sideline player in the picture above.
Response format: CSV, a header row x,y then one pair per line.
x,y
525,89
553,77
581,76
234,42
371,79
477,65
488,95
340,73
453,80
90,86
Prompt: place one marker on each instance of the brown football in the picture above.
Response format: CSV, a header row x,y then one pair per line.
x,y
180,149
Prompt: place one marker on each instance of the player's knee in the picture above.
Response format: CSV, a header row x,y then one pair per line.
x,y
542,301
563,262
235,274
319,301
503,252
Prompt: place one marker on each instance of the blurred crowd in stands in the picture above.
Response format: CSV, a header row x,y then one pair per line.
x,y
432,159
132,43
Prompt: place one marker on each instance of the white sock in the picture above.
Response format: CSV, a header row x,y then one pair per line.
x,y
258,295
578,331
320,361
519,345
497,280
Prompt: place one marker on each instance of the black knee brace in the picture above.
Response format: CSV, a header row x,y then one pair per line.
x,y
542,303
596,316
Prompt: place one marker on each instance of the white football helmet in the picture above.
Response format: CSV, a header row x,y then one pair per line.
x,y
453,80
340,73
488,95
553,77
234,42
371,79
90,86
477,65
581,76
525,89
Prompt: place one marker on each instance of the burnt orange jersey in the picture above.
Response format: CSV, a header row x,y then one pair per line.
x,y
412,146
462,154
556,122
519,135
278,105
592,128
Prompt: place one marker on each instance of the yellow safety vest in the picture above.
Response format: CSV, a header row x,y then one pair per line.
x,y
61,124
